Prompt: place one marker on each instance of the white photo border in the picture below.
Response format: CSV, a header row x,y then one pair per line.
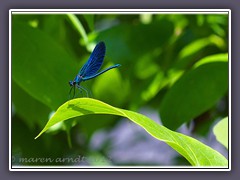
x,y
119,11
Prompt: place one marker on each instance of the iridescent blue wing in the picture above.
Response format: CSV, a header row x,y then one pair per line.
x,y
94,62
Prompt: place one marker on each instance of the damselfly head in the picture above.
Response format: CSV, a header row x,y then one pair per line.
x,y
72,83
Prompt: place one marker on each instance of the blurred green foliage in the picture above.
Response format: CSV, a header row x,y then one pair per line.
x,y
175,64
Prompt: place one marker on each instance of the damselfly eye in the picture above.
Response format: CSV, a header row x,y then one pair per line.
x,y
71,83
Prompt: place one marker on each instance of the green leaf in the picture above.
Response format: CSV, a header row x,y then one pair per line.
x,y
194,151
212,58
79,27
132,43
221,131
194,47
104,87
26,107
194,93
40,66
90,20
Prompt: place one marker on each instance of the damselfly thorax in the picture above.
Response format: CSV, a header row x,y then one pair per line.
x,y
90,68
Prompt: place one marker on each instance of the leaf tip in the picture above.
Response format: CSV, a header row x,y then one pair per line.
x,y
38,135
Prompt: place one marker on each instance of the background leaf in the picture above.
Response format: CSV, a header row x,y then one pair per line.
x,y
28,112
221,131
194,93
47,80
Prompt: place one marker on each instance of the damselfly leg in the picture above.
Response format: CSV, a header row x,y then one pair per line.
x,y
87,92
